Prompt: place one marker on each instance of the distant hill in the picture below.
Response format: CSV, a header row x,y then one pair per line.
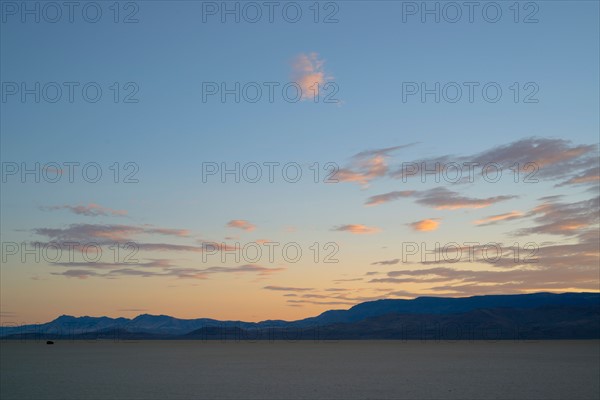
x,y
522,316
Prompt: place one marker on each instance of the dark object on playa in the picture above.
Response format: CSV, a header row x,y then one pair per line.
x,y
49,342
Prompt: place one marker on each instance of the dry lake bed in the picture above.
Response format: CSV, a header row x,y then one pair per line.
x,y
300,370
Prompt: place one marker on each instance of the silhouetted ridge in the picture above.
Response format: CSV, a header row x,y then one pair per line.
x,y
539,315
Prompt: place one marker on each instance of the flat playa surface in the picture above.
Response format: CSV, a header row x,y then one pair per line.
x,y
300,370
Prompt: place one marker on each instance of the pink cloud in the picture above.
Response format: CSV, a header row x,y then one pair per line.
x,y
241,224
357,229
367,166
308,73
492,219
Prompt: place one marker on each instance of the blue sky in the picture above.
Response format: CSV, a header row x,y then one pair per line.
x,y
170,132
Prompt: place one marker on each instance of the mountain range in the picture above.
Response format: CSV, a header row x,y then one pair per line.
x,y
491,317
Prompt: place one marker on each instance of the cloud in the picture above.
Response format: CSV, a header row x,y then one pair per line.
x,y
444,199
77,236
94,232
241,224
322,302
166,270
439,198
308,73
494,219
315,296
356,229
387,197
91,210
107,265
560,267
387,262
404,293
77,273
502,281
347,280
425,225
556,218
367,166
588,176
287,288
243,268
166,247
532,158
168,231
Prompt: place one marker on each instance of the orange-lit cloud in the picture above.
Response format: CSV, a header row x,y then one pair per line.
x,y
356,229
368,170
591,175
308,73
425,225
241,224
492,219
564,218
367,166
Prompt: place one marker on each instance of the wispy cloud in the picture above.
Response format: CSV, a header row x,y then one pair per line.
x,y
287,288
92,232
91,210
241,224
308,72
494,219
387,197
558,218
166,270
387,262
567,267
439,198
295,302
543,158
591,175
367,165
356,229
347,280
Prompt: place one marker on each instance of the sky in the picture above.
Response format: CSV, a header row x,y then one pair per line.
x,y
243,161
